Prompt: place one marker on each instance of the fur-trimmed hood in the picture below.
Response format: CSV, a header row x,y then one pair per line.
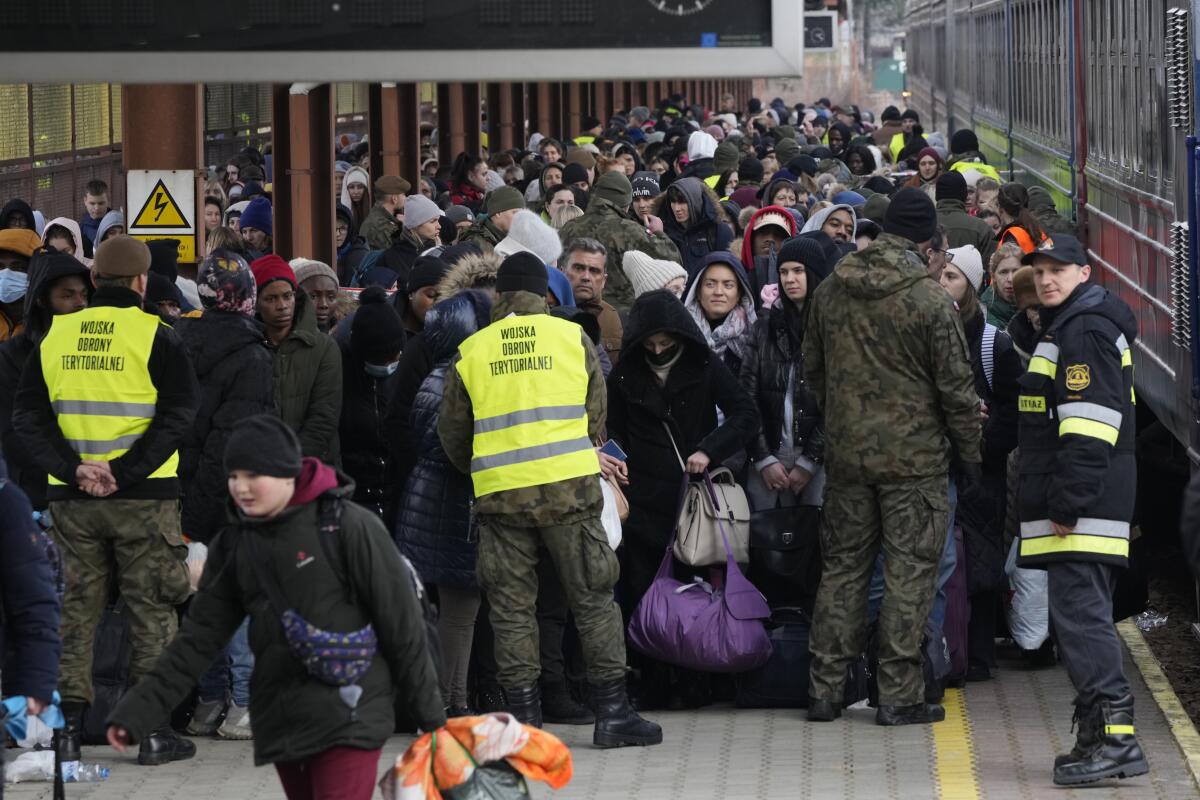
x,y
471,272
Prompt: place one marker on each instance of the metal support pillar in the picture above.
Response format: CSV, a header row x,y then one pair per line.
x,y
602,104
516,111
383,124
548,118
408,115
458,120
620,96
505,128
163,128
575,110
302,139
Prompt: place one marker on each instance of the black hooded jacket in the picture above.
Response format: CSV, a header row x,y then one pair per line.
x,y
45,268
774,353
638,406
233,366
706,231
19,206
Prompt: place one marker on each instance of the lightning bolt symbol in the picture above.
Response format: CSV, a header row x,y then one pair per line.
x,y
160,204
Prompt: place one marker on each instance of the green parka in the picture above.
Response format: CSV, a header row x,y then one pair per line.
x,y
886,356
308,383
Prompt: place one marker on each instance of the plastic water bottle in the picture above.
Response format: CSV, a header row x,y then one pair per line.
x,y
76,772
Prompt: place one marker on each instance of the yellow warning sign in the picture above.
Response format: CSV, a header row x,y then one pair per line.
x,y
187,245
160,211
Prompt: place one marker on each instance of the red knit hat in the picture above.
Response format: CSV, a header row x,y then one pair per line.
x,y
271,268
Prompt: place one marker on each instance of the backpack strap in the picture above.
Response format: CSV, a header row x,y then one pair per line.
x,y
329,522
988,352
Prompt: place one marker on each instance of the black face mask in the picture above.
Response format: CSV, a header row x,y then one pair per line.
x,y
662,357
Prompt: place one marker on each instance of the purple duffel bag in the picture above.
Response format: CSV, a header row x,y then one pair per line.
x,y
700,626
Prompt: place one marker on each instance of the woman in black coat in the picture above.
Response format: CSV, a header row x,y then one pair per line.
x,y
433,524
789,448
228,350
981,508
667,379
693,219
369,361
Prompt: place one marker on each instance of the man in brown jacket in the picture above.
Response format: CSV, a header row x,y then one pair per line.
x,y
583,262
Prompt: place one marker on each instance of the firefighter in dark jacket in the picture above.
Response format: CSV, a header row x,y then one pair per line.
x,y
103,406
1076,495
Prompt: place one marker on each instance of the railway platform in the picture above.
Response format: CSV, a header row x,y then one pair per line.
x,y
998,742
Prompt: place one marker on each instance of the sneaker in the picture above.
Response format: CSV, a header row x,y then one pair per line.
x,y
206,718
237,724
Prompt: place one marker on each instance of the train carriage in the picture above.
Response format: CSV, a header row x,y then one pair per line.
x,y
1093,100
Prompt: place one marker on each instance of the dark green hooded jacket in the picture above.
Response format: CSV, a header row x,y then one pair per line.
x,y
294,715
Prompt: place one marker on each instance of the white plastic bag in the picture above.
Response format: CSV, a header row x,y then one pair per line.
x,y
610,516
1028,606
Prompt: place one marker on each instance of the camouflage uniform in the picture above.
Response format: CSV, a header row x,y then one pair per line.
x,y
887,358
147,548
483,234
379,227
606,222
563,517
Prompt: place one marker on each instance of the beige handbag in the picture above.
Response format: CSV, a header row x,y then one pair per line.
x,y
698,537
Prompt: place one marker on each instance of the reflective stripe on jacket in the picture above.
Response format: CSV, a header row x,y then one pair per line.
x,y
527,379
96,366
896,146
1077,431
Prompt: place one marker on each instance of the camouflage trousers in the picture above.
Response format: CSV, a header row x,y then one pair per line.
x,y
908,520
139,541
588,569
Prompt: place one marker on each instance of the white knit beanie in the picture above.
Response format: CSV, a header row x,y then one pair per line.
x,y
527,233
647,274
701,145
968,261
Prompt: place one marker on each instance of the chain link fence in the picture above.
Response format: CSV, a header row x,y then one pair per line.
x,y
54,138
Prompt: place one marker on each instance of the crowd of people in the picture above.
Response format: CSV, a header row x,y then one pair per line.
x,y
854,315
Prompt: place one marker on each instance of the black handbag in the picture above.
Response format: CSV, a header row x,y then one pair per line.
x,y
785,554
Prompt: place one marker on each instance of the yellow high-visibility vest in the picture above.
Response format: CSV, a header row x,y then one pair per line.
x,y
583,139
711,181
528,381
986,170
896,145
96,363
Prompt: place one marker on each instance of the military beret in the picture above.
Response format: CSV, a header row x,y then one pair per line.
x,y
122,257
392,184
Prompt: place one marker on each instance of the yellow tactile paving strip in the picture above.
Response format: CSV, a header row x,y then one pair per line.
x,y
954,751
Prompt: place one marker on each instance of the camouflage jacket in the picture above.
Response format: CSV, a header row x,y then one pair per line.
x,y
607,224
560,503
887,359
483,234
378,228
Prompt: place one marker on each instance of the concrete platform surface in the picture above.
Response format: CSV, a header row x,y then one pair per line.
x,y
998,742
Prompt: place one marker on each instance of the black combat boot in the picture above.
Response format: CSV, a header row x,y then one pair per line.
x,y
1116,753
617,724
823,710
70,739
1086,723
526,705
916,714
558,706
164,746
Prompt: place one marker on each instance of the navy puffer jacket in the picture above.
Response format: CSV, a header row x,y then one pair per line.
x,y
434,523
